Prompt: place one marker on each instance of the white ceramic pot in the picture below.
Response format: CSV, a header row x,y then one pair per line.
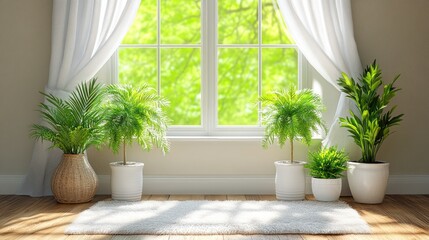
x,y
326,190
290,180
368,181
127,181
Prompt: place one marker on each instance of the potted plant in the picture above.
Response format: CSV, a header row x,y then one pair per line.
x,y
133,113
369,125
326,169
291,115
73,126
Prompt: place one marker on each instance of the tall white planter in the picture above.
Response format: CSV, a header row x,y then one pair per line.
x,y
326,189
368,181
290,180
127,181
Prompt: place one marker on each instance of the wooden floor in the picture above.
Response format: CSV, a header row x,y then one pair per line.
x,y
21,217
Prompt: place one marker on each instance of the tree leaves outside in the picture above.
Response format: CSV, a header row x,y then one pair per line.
x,y
237,68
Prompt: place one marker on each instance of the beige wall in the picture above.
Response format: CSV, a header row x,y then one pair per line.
x,y
25,31
396,33
393,31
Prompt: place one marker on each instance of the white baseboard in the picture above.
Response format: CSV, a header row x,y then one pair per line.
x,y
398,184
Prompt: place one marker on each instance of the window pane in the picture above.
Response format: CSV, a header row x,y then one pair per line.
x,y
137,65
238,86
238,21
274,30
181,84
279,69
180,22
144,28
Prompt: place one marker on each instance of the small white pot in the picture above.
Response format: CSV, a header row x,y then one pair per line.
x,y
127,181
290,180
326,190
368,181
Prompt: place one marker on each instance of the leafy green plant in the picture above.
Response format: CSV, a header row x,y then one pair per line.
x,y
370,124
291,115
327,163
135,113
75,124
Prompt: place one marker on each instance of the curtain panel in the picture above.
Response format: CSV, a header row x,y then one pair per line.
x,y
323,31
85,34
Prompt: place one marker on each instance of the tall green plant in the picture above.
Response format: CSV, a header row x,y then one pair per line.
x,y
291,115
75,124
327,163
370,124
135,113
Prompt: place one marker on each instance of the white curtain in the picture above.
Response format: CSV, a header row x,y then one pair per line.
x,y
85,34
323,31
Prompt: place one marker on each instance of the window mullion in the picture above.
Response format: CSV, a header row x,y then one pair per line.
x,y
259,61
211,60
205,73
158,43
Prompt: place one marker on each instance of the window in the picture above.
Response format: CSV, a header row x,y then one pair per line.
x,y
211,60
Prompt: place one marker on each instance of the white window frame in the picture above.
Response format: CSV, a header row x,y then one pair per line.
x,y
209,48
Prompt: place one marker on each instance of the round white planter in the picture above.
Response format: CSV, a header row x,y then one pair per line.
x,y
290,180
127,181
326,190
368,181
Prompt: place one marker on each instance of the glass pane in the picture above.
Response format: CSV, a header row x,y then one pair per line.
x,y
137,65
238,86
181,84
144,28
279,69
180,22
238,21
274,30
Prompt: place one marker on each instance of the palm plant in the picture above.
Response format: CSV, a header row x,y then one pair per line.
x,y
371,124
75,124
135,113
291,115
327,163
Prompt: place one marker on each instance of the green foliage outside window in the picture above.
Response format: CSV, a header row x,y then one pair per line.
x,y
180,68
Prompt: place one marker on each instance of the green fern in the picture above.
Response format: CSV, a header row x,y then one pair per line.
x,y
291,115
135,113
327,163
370,124
75,124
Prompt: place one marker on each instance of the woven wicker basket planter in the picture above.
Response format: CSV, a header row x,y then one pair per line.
x,y
74,180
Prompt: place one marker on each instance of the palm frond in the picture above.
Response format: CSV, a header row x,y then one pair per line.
x,y
291,115
135,113
75,124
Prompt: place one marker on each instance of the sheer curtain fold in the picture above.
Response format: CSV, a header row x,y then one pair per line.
x,y
323,31
85,34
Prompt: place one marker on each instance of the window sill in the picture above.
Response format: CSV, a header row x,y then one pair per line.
x,y
222,138
214,138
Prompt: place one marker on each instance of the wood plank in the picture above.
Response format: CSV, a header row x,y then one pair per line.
x,y
253,197
236,197
186,197
145,197
216,197
158,197
268,197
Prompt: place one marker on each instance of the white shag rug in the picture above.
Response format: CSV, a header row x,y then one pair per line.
x,y
218,217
